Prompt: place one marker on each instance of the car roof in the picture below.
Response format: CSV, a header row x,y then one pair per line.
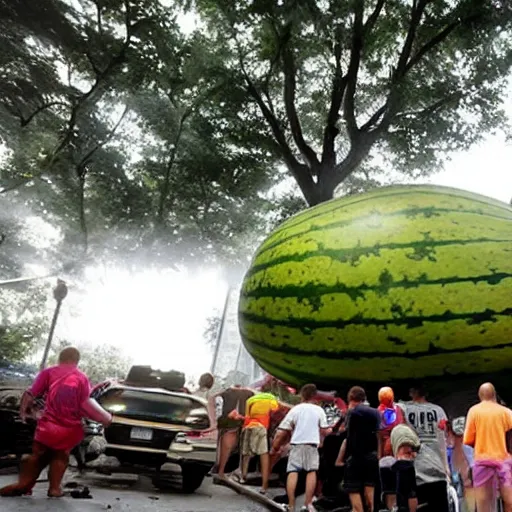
x,y
160,391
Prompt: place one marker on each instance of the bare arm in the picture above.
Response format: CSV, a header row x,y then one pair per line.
x,y
27,403
279,439
211,411
340,461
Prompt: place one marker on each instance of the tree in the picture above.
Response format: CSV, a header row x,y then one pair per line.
x,y
212,330
23,321
339,82
110,116
99,362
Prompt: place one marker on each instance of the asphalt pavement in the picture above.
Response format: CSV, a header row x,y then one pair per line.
x,y
135,495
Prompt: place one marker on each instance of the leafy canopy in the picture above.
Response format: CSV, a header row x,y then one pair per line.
x,y
339,82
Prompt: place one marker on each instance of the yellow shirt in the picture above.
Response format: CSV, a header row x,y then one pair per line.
x,y
258,409
486,426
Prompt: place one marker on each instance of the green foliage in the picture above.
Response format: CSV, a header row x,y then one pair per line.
x,y
23,323
338,82
212,330
100,362
115,135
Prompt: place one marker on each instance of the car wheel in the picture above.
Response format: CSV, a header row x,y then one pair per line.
x,y
192,476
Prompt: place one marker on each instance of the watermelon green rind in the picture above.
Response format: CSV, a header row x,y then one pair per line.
x,y
401,273
333,206
335,371
419,250
408,213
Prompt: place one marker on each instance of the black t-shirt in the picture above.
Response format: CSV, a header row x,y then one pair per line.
x,y
363,423
233,399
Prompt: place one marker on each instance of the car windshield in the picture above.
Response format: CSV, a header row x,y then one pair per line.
x,y
154,406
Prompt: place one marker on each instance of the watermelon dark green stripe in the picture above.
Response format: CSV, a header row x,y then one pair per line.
x,y
321,211
348,354
407,212
385,283
422,249
307,325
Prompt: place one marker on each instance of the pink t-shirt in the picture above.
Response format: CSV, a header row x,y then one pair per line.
x,y
65,389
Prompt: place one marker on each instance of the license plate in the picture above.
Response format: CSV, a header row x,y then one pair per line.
x,y
141,434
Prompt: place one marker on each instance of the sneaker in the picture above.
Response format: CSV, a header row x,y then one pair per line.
x,y
263,492
308,508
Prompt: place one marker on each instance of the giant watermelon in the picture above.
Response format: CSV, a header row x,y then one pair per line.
x,y
399,283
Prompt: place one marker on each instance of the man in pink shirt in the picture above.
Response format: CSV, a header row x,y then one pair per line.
x,y
59,429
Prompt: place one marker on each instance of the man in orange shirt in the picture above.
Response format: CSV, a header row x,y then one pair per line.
x,y
486,427
255,434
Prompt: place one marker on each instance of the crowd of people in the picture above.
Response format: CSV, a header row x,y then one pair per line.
x,y
404,456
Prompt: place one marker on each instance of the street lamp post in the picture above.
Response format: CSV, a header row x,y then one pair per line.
x,y
59,294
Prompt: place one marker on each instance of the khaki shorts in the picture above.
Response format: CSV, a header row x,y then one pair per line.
x,y
303,457
254,441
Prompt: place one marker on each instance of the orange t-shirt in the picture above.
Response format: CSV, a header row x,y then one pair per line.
x,y
258,410
486,426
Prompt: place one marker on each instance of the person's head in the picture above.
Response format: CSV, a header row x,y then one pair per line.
x,y
69,355
407,452
457,426
308,392
418,392
404,442
356,395
386,396
487,392
206,381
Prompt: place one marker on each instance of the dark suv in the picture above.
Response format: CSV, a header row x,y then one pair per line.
x,y
155,426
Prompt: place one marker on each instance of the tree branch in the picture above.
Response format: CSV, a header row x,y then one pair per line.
x,y
431,109
353,69
166,186
81,213
98,19
273,64
416,14
372,19
290,89
95,68
374,118
337,90
28,120
430,45
85,160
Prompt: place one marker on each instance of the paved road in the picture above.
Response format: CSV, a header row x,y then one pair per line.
x,y
138,497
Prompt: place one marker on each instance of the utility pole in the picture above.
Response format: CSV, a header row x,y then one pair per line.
x,y
59,294
221,331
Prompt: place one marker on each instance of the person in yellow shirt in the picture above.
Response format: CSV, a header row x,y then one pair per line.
x,y
487,425
254,440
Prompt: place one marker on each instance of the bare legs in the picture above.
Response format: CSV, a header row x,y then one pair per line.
x,y
291,486
356,500
310,487
32,467
58,466
506,496
484,498
265,470
228,442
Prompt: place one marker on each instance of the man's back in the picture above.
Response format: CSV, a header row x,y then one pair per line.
x,y
259,408
431,462
65,388
305,420
486,427
362,428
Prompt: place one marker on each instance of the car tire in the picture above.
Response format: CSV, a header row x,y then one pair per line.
x,y
193,476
